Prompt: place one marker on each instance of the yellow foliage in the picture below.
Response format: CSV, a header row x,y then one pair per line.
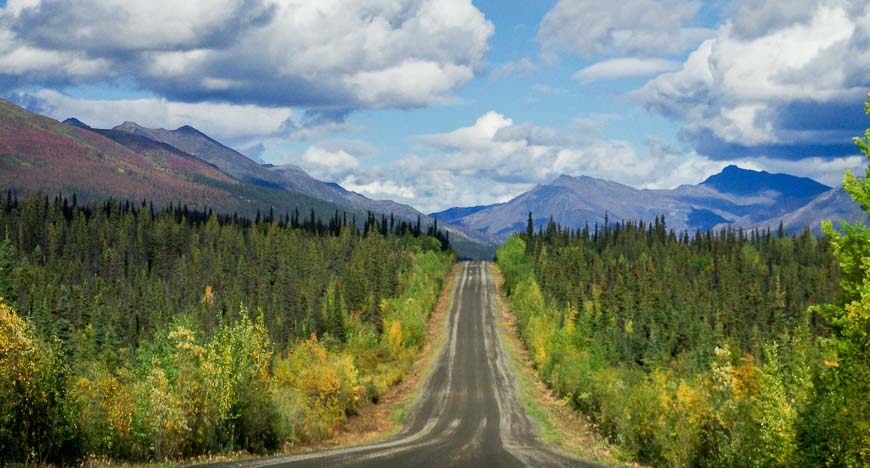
x,y
208,296
166,418
328,382
185,341
746,379
395,338
17,350
109,400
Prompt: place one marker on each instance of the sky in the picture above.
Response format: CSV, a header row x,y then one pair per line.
x,y
441,103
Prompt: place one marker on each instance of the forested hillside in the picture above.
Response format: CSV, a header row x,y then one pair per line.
x,y
695,350
133,333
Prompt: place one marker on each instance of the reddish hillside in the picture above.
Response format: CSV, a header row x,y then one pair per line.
x,y
39,153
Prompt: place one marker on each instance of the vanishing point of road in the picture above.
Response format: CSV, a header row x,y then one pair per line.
x,y
468,413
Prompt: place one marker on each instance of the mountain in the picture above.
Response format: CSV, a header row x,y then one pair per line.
x,y
467,243
192,141
737,181
453,214
289,178
834,204
76,123
181,166
41,154
736,197
569,200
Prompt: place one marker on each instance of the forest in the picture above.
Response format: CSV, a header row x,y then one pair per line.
x,y
134,333
726,348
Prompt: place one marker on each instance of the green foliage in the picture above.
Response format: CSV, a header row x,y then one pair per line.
x,y
703,351
131,342
837,424
35,425
683,351
7,269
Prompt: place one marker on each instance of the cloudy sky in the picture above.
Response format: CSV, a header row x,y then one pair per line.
x,y
441,103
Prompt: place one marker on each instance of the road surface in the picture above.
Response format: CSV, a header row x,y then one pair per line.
x,y
468,413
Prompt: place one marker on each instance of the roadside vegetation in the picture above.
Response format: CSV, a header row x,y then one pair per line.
x,y
704,350
129,333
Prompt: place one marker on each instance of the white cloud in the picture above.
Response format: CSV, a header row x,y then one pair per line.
x,y
629,27
780,89
495,148
219,120
523,67
124,25
328,165
379,190
755,18
619,68
479,136
329,53
495,159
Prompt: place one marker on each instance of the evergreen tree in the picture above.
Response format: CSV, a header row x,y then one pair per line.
x,y
8,263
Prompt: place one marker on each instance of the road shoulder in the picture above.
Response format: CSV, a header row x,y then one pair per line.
x,y
377,422
560,425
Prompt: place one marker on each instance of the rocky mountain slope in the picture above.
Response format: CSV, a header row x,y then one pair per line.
x,y
736,197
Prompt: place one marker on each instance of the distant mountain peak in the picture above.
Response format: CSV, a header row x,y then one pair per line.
x,y
76,123
739,181
734,168
129,126
188,129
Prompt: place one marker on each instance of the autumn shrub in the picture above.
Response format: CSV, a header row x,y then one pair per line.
x,y
324,383
36,424
105,410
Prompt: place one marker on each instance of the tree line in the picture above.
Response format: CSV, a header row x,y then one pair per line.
x,y
701,349
138,333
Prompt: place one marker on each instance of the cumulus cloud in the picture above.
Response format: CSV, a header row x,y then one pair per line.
x,y
754,18
769,87
326,54
220,120
234,122
496,159
629,27
619,68
378,189
355,147
329,165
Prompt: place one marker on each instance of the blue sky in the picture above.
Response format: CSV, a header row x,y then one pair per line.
x,y
441,103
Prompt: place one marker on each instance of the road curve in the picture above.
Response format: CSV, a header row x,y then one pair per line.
x,y
468,413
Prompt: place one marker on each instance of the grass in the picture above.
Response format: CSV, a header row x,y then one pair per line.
x,y
560,424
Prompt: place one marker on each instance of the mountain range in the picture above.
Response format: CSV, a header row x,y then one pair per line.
x,y
735,197
187,166
181,166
